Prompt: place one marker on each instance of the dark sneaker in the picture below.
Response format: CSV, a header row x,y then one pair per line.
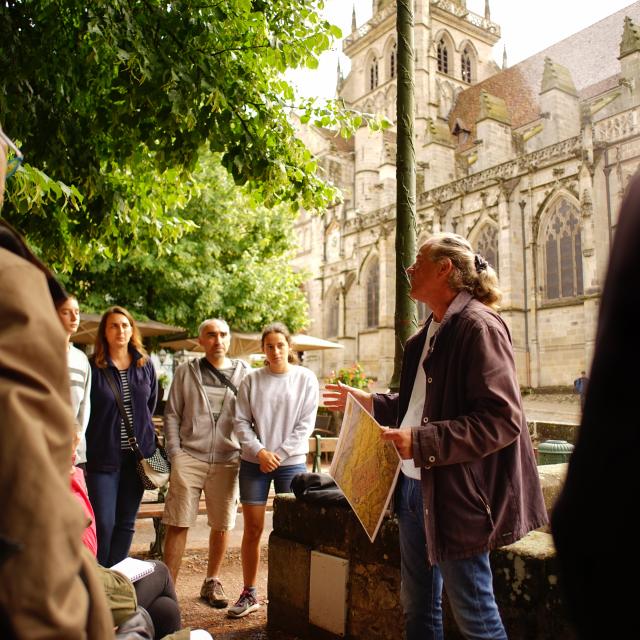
x,y
213,593
247,602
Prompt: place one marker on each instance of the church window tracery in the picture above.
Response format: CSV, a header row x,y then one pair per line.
x,y
563,252
465,63
373,74
487,245
373,294
333,316
443,56
393,61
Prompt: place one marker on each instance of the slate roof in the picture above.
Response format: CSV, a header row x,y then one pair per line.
x,y
591,56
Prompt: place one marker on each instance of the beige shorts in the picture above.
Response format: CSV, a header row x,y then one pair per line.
x,y
189,476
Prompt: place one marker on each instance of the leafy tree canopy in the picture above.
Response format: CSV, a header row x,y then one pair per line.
x,y
234,263
117,99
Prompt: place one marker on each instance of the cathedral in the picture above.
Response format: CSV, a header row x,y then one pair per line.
x,y
528,162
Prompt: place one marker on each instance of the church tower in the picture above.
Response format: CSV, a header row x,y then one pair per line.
x,y
452,51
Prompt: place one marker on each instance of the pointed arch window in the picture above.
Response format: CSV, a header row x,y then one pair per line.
x,y
373,294
563,252
373,74
443,56
333,317
393,61
487,245
465,63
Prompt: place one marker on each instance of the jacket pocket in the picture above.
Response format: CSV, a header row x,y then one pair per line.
x,y
479,494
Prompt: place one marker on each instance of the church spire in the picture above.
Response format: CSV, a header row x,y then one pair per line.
x,y
339,78
487,11
630,38
504,57
353,18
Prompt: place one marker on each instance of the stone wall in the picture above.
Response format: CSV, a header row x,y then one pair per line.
x,y
525,574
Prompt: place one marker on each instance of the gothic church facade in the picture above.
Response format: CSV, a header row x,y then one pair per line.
x,y
528,162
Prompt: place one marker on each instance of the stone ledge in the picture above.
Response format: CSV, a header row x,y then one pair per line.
x,y
525,573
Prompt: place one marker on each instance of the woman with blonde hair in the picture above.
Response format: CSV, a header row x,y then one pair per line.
x,y
123,377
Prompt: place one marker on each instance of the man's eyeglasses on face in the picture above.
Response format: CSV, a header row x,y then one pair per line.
x,y
15,157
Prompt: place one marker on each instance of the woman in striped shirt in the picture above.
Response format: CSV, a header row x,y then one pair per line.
x,y
115,488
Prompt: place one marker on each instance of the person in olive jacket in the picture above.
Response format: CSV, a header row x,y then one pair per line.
x,y
115,488
469,481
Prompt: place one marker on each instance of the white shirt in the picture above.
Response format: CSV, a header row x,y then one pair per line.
x,y
80,380
413,416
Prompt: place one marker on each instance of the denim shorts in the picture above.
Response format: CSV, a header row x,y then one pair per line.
x,y
255,485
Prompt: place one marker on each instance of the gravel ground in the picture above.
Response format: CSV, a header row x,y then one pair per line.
x,y
197,614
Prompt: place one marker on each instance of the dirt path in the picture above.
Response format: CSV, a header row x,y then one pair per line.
x,y
197,614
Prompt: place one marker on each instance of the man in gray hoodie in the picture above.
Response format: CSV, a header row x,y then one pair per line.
x,y
204,453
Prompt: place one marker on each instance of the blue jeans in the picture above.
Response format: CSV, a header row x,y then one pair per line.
x,y
115,497
254,485
468,582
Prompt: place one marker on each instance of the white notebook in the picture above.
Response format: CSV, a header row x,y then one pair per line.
x,y
133,568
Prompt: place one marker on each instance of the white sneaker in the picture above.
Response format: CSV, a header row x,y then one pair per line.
x,y
247,602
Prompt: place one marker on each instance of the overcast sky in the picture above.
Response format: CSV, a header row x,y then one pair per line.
x,y
528,26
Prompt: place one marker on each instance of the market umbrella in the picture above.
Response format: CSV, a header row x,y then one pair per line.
x,y
243,344
89,323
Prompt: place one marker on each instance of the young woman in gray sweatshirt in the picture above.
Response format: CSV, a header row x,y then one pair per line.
x,y
275,415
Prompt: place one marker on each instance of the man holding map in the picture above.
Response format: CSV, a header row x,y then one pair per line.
x,y
469,481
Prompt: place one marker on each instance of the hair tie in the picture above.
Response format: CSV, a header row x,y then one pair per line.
x,y
481,263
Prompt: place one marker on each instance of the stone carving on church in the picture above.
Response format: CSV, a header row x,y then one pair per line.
x,y
616,127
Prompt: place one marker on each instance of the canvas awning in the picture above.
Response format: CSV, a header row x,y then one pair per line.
x,y
244,344
89,323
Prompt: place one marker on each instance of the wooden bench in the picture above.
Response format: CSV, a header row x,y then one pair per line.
x,y
155,510
318,445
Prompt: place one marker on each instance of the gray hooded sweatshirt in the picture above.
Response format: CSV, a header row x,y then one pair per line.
x,y
189,423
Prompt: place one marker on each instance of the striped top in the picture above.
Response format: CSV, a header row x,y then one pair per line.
x,y
126,401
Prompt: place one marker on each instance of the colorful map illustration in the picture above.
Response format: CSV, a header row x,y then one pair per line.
x,y
364,466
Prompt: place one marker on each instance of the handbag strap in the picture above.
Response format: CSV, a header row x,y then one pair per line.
x,y
218,374
131,438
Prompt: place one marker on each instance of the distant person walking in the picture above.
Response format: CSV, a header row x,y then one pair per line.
x,y
275,415
580,386
120,366
79,375
204,453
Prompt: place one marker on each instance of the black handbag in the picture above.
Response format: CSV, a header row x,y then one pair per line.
x,y
153,471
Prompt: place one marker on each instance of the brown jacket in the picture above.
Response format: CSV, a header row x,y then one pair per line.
x,y
48,582
480,484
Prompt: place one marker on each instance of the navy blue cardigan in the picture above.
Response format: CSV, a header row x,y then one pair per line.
x,y
103,431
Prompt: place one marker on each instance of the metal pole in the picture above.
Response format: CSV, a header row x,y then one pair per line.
x,y
405,311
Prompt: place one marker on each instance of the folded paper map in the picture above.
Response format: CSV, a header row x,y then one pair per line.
x,y
364,466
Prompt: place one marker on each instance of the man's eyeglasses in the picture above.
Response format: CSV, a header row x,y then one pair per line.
x,y
15,157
